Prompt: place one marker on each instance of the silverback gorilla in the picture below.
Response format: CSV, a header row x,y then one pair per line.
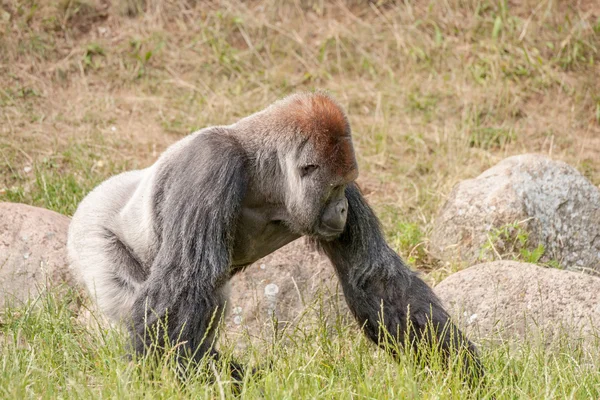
x,y
158,246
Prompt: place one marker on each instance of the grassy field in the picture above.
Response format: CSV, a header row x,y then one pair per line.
x,y
47,354
436,92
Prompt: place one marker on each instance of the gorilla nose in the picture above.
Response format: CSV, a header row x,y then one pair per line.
x,y
334,217
341,208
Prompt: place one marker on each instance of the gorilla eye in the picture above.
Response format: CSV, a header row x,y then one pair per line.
x,y
308,169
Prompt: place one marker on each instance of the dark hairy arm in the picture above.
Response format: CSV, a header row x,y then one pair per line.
x,y
381,291
197,199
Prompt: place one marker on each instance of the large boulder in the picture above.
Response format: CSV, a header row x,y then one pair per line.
x,y
507,299
548,200
32,251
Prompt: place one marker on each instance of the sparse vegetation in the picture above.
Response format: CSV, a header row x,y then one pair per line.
x,y
512,242
436,92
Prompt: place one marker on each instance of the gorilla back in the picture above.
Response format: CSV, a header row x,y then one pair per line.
x,y
165,240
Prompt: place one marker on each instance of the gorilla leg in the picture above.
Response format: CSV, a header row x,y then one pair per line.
x,y
382,291
191,325
110,272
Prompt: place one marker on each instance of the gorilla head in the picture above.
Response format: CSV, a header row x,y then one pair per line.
x,y
320,166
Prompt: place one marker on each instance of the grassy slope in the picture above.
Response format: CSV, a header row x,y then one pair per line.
x,y
436,92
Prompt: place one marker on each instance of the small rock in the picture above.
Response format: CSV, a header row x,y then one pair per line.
x,y
271,290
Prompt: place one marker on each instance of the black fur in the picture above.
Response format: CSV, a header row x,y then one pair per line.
x,y
381,291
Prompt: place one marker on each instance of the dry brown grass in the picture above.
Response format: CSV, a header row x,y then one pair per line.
x,y
436,91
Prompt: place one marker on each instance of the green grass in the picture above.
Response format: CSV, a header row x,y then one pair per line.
x,y
59,182
512,242
48,353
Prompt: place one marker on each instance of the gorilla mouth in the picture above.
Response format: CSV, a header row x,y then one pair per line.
x,y
334,229
329,234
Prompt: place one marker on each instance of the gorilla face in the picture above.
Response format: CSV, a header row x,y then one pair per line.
x,y
316,199
333,217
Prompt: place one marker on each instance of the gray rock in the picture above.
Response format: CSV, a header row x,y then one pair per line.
x,y
508,300
552,202
290,285
32,251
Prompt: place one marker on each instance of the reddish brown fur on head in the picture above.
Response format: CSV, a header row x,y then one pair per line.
x,y
321,120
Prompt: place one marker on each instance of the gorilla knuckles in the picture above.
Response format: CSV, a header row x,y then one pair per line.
x,y
157,246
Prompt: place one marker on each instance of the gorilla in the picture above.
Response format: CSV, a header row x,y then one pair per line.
x,y
156,247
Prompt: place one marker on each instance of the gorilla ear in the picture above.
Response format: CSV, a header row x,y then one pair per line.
x,y
308,169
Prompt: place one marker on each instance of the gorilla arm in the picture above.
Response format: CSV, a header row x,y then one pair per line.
x,y
197,198
381,291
